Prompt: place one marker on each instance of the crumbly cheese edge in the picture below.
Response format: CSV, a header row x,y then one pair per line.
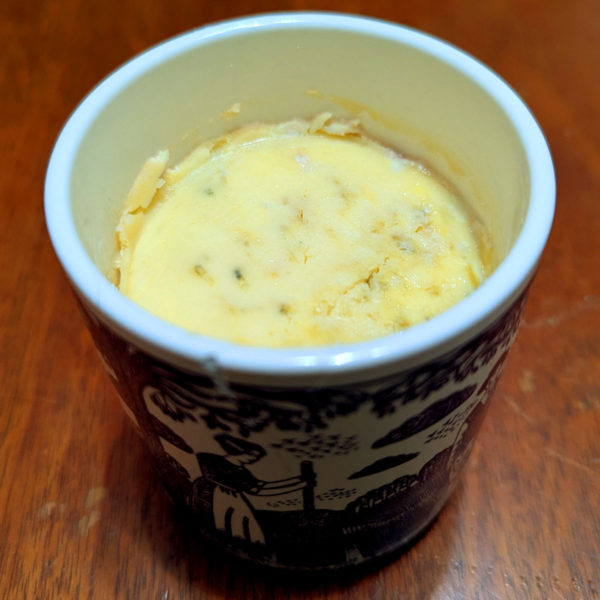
x,y
154,173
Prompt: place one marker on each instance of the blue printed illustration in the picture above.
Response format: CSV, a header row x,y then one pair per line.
x,y
311,477
226,487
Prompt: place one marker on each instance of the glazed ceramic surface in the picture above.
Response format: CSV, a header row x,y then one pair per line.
x,y
306,458
311,478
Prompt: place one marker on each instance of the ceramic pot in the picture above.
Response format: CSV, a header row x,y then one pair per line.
x,y
306,458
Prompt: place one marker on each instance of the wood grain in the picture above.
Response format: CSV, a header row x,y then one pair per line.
x,y
81,512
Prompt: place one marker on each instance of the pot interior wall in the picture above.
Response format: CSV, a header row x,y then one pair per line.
x,y
406,98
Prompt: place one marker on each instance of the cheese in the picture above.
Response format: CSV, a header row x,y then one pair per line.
x,y
294,234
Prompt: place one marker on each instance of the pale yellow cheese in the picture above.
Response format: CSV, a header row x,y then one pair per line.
x,y
301,233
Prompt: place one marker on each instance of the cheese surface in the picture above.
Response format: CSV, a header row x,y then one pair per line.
x,y
300,233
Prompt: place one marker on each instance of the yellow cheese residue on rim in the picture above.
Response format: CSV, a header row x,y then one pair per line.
x,y
301,233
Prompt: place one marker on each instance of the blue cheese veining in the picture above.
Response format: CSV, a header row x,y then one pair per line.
x,y
300,233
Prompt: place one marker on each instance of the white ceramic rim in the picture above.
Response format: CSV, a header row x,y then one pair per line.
x,y
484,303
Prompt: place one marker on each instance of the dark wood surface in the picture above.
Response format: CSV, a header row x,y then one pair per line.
x,y
81,513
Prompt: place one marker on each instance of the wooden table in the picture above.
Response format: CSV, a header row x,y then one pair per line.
x,y
82,514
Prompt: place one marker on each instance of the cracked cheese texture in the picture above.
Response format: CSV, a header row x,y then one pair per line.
x,y
301,233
